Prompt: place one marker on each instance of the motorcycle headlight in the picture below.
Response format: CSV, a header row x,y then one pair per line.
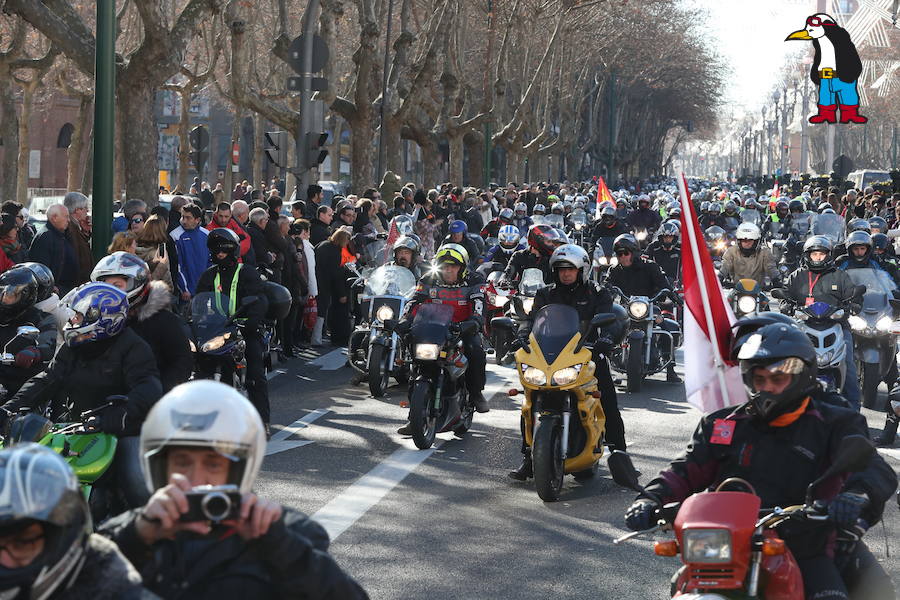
x,y
527,305
706,546
193,347
578,226
384,313
638,310
603,260
884,324
746,304
501,300
566,376
641,236
856,323
825,358
215,343
534,376
427,351
719,245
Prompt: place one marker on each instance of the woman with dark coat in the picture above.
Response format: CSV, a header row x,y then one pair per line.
x,y
333,289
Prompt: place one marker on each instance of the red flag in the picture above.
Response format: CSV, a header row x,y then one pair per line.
x,y
392,237
710,382
603,196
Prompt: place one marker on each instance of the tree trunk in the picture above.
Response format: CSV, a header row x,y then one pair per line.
x,y
137,100
474,145
75,153
361,167
334,149
184,144
119,161
259,124
456,159
9,131
393,147
24,144
431,164
228,179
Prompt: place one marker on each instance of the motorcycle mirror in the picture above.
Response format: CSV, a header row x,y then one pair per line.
x,y
603,319
390,324
504,323
859,291
622,470
28,331
778,293
853,454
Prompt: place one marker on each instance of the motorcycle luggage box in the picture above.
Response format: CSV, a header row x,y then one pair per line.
x,y
279,300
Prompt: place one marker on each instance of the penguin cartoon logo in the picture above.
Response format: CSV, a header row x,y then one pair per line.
x,y
835,69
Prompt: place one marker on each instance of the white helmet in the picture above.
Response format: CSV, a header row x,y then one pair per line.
x,y
125,265
204,414
570,254
747,231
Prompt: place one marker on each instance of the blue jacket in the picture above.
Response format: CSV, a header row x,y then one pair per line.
x,y
192,257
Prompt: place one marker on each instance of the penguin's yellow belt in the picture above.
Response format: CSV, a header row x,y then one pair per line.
x,y
827,73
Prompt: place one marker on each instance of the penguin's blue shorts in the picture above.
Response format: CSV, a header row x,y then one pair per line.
x,y
834,91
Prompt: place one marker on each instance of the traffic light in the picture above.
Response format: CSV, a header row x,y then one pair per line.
x,y
315,153
277,153
199,139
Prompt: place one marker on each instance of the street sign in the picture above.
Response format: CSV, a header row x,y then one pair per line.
x,y
318,84
842,166
235,154
319,57
199,138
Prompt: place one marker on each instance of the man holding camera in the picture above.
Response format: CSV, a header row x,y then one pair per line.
x,y
204,533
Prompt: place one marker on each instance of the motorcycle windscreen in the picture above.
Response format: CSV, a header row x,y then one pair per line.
x,y
554,326
532,280
801,224
431,323
579,217
879,288
390,280
831,226
751,215
209,313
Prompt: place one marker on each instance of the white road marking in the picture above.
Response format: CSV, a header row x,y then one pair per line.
x,y
280,441
892,452
332,361
345,509
273,374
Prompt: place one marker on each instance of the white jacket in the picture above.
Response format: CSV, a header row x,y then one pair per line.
x,y
310,254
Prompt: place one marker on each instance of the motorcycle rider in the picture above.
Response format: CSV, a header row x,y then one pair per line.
x,y
882,249
713,217
608,227
227,277
539,210
49,551
149,315
570,268
508,243
455,284
101,357
644,217
459,234
786,422
47,299
665,250
506,217
542,241
406,254
777,223
818,280
206,433
730,217
748,259
636,276
19,291
860,255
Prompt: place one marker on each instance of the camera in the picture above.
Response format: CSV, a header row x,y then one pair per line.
x,y
214,503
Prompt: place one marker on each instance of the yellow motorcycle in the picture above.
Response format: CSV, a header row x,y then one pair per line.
x,y
557,373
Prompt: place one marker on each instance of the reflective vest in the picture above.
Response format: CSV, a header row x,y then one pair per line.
x,y
232,295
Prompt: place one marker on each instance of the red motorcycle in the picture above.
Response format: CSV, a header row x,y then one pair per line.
x,y
497,301
728,544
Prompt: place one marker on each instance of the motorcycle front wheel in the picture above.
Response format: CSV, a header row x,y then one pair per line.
x,y
547,460
871,377
421,421
634,368
465,419
379,370
499,343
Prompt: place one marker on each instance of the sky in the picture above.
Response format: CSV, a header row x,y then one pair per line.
x,y
750,35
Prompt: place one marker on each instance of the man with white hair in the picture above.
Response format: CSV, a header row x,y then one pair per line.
x,y
53,248
77,205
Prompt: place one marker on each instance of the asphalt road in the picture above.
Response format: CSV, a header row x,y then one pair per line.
x,y
448,522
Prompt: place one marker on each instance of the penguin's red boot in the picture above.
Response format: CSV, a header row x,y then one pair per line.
x,y
849,114
827,114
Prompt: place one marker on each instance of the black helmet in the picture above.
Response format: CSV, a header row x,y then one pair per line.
x,y
880,242
44,277
822,244
222,239
859,238
544,238
748,325
669,228
783,349
626,241
608,216
39,488
730,207
782,208
279,300
859,224
796,206
18,293
715,208
877,223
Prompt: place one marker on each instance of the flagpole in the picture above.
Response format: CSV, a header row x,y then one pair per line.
x,y
688,210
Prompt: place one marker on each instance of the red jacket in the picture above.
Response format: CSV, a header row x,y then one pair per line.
x,y
235,227
5,263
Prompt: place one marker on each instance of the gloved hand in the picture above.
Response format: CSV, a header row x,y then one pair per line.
x,y
112,420
639,515
846,508
28,357
523,343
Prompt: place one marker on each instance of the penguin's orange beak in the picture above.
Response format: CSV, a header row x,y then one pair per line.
x,y
802,34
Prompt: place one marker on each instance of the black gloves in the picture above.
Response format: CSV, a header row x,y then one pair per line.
x,y
112,420
847,507
640,515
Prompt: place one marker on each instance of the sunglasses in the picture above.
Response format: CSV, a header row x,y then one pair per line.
x,y
818,22
138,220
623,252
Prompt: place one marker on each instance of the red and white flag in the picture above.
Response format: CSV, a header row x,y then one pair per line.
x,y
710,382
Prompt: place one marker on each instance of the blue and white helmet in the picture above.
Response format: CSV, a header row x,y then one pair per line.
x,y
509,237
100,313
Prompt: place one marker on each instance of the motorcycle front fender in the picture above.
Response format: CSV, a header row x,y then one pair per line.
x,y
635,336
869,354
